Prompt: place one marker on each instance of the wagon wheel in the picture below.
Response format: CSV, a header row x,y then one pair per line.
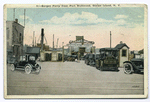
x,y
28,69
128,69
12,66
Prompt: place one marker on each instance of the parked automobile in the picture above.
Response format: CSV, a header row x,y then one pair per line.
x,y
92,59
82,57
134,65
87,59
70,57
108,59
27,63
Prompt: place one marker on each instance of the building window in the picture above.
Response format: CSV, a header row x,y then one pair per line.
x,y
124,53
7,33
20,37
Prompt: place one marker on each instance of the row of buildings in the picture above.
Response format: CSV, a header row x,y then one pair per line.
x,y
80,46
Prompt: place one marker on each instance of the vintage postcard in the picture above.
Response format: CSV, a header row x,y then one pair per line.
x,y
75,51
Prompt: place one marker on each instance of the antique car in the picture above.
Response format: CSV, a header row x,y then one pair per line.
x,y
70,57
82,57
87,59
134,65
108,59
27,63
93,58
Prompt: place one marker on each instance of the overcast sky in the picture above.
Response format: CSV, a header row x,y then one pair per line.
x,y
95,24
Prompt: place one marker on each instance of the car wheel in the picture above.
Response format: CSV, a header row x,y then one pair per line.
x,y
12,67
28,69
38,69
88,62
117,70
101,69
128,69
97,66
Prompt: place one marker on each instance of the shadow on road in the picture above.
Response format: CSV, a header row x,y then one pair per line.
x,y
23,72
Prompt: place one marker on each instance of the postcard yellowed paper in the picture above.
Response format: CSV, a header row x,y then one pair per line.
x,y
75,51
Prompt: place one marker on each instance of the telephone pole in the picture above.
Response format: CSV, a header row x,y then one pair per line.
x,y
33,38
53,41
110,39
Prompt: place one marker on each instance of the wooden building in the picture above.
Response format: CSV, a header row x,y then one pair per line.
x,y
81,45
123,53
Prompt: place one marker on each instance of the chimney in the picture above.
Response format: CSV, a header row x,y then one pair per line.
x,y
121,42
42,38
16,20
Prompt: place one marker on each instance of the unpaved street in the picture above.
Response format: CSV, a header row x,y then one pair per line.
x,y
72,78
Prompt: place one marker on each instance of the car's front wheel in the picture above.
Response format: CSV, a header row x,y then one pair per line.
x,y
128,69
38,69
12,67
28,69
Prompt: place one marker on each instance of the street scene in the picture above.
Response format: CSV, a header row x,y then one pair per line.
x,y
73,78
75,51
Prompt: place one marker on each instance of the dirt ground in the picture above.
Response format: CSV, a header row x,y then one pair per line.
x,y
73,78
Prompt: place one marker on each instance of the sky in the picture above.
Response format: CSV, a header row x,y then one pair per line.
x,y
125,23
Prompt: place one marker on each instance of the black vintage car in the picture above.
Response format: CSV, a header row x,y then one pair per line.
x,y
87,59
27,63
93,58
70,57
135,65
108,59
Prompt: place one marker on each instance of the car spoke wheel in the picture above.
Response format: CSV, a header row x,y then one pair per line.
x,y
38,69
12,67
101,69
28,69
128,68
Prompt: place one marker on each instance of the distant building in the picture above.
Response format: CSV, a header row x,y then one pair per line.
x,y
45,47
137,54
81,45
35,51
134,52
123,53
51,55
14,33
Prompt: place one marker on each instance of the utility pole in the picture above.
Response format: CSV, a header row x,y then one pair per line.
x,y
14,15
24,16
33,38
110,39
57,42
35,41
62,53
62,43
53,41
